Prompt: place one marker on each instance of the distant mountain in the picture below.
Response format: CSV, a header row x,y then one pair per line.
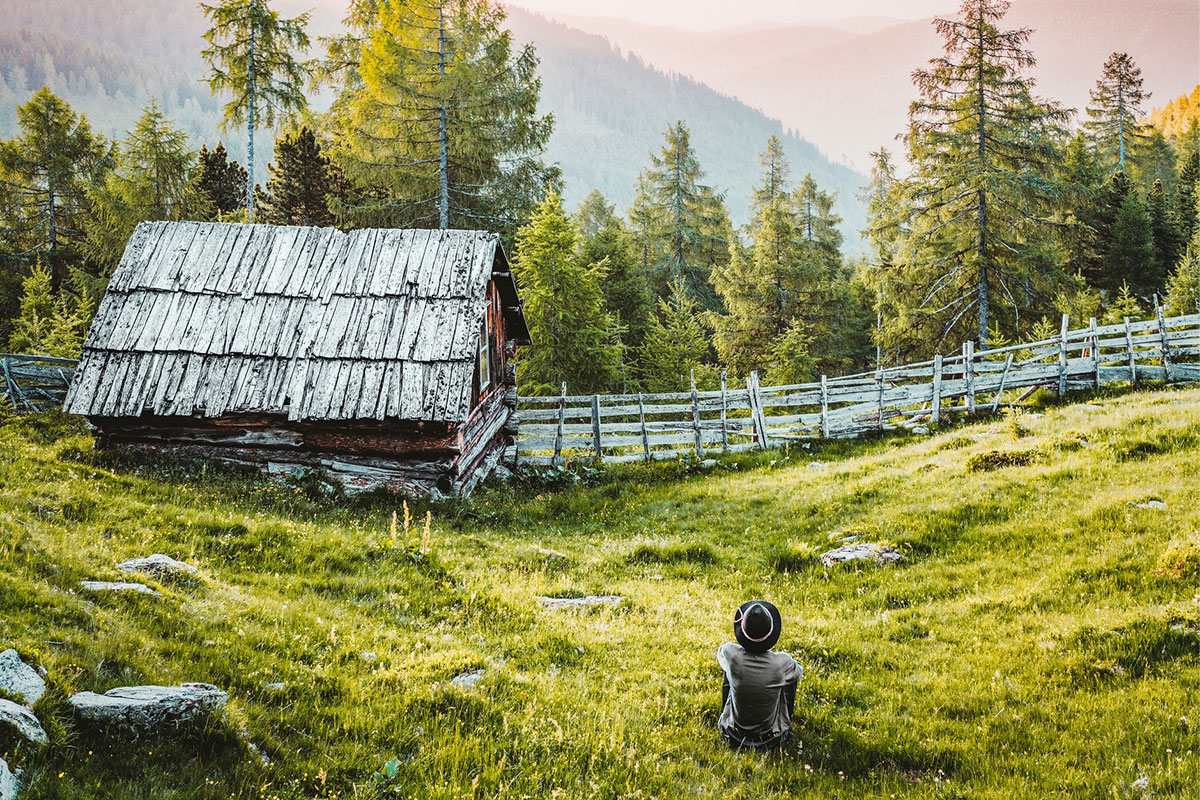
x,y
850,93
610,111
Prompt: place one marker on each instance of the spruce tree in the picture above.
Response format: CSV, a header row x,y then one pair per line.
x,y
977,205
1129,249
1078,178
438,127
604,240
1183,287
220,182
1189,192
1164,232
34,321
676,348
251,54
686,227
1123,305
1116,108
153,181
45,173
564,306
303,182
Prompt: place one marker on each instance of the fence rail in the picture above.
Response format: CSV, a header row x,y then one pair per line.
x,y
644,427
32,383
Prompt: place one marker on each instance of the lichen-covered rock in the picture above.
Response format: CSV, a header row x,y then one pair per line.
x,y
15,715
145,708
469,678
876,553
10,782
19,679
115,586
160,566
559,603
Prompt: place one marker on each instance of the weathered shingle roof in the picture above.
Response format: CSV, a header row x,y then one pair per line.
x,y
213,319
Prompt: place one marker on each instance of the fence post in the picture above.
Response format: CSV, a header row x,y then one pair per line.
x,y
1003,378
756,409
596,427
645,436
724,431
879,398
936,415
562,416
1095,337
696,418
824,408
1132,359
1162,335
1062,356
969,374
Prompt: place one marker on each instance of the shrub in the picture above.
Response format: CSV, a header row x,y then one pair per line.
x,y
999,459
1181,559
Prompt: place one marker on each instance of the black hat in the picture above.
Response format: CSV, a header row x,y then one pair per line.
x,y
757,625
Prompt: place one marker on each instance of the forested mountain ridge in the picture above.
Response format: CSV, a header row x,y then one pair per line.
x,y
610,111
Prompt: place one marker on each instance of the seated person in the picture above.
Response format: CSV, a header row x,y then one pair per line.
x,y
759,691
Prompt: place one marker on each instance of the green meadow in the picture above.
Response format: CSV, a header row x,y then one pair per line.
x,y
1039,640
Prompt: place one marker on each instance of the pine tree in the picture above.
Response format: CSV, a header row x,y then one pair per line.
x,y
1116,108
44,176
303,181
604,240
685,223
676,348
982,148
251,55
439,128
220,182
564,308
153,181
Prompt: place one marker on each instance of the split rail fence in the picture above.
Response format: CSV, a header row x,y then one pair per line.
x,y
32,383
644,427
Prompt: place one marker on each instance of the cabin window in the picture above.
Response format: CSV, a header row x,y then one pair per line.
x,y
485,356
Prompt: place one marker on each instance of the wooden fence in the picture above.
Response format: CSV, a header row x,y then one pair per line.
x,y
31,383
635,427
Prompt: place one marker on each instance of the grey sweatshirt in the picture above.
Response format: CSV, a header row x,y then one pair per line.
x,y
758,709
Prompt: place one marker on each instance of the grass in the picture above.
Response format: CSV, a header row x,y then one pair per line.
x,y
1040,638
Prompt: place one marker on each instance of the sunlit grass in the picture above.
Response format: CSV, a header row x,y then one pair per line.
x,y
1039,640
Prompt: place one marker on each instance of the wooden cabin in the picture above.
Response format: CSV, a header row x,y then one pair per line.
x,y
380,356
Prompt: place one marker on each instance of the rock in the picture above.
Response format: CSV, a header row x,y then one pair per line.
x,y
815,465
18,716
1142,783
880,554
159,566
368,656
19,679
148,707
1153,505
921,430
708,463
559,603
468,678
10,782
275,687
114,586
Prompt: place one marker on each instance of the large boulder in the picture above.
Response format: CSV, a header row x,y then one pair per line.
x,y
10,782
145,708
19,679
161,567
15,715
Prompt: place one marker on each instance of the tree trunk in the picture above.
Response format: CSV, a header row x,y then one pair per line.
x,y
443,143
250,121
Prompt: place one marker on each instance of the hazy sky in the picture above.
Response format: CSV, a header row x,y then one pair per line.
x,y
704,14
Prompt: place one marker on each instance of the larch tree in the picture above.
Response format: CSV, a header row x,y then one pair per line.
x,y
438,124
45,173
981,146
251,54
1116,108
303,182
220,182
154,180
685,221
564,305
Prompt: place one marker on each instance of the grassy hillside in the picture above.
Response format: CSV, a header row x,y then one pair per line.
x,y
1040,640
